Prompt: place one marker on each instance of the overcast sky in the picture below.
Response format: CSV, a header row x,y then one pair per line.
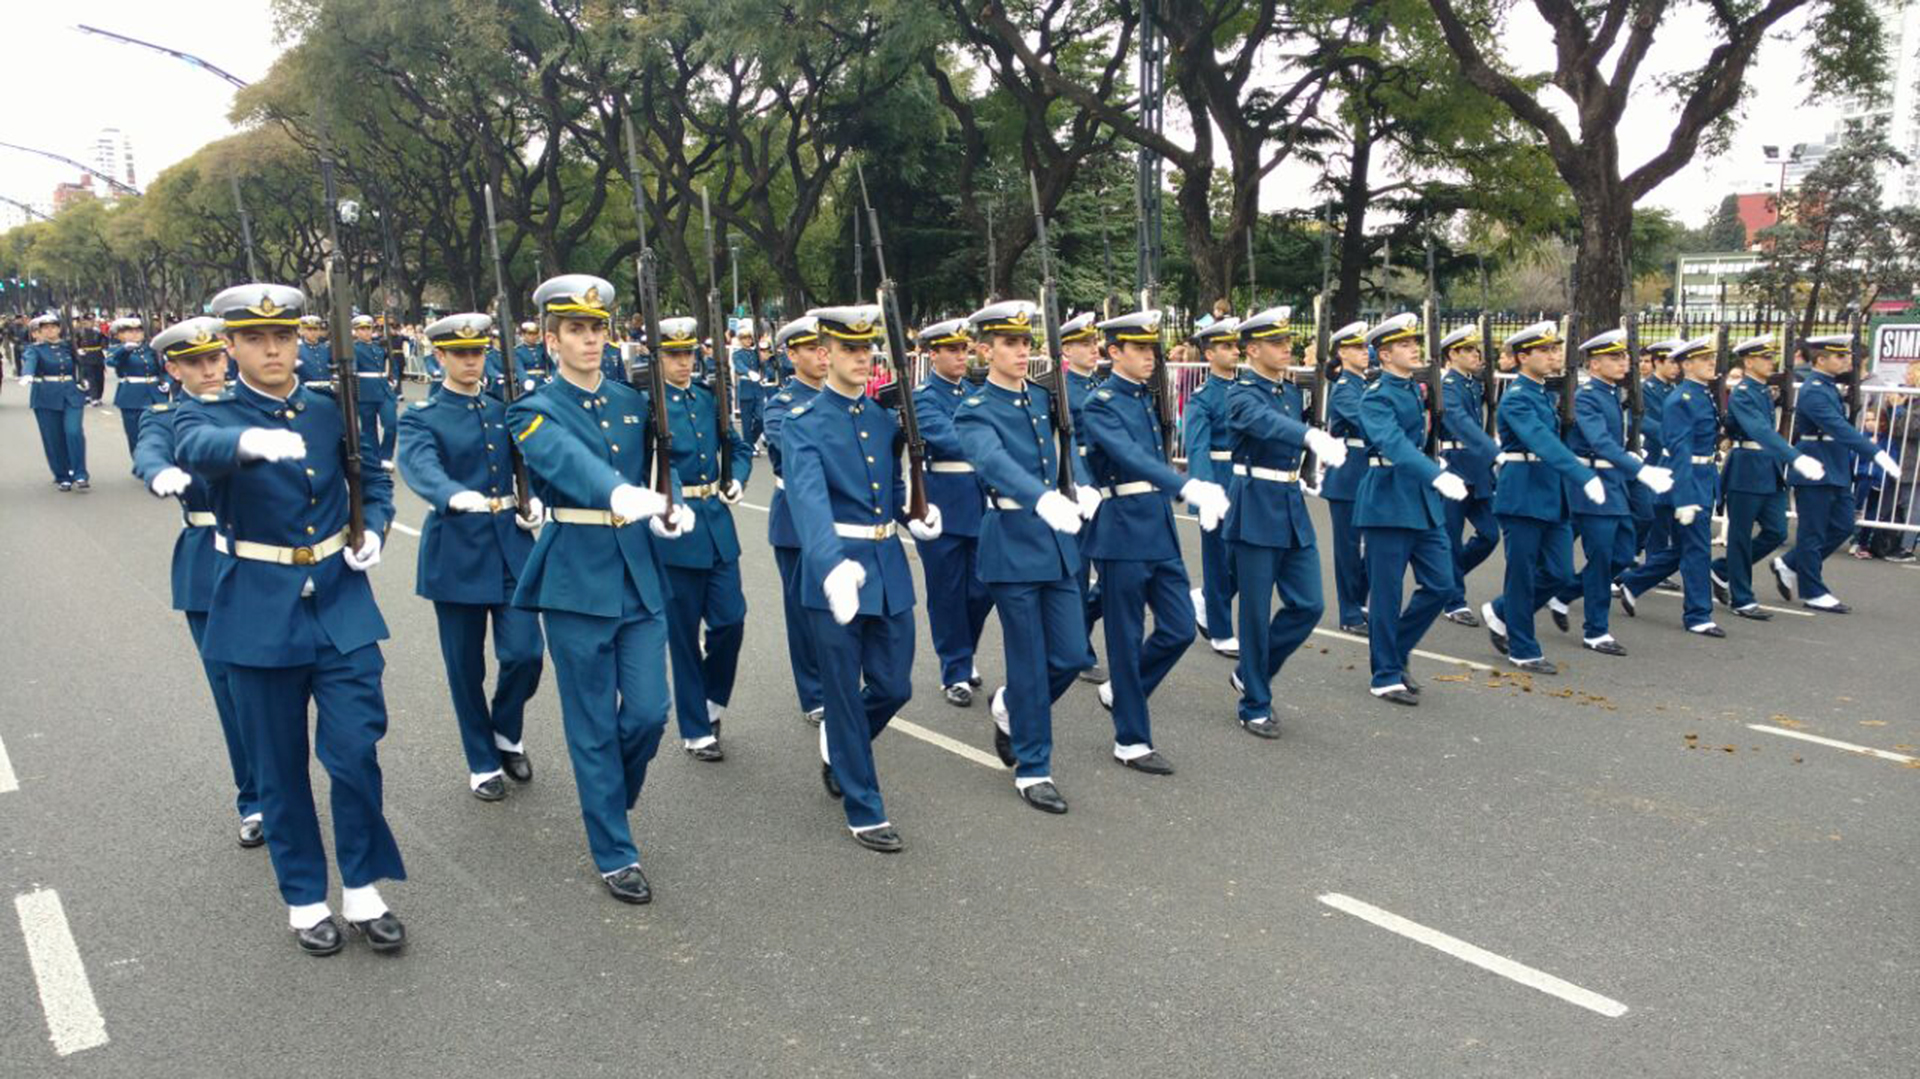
x,y
68,85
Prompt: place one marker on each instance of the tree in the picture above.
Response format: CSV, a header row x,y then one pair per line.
x,y
1724,231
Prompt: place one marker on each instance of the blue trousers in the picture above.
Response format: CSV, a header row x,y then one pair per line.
x,y
518,647
350,719
613,705
1469,553
1608,543
130,421
1745,548
1394,632
1090,602
1827,516
1689,553
1265,645
1216,584
866,675
1042,626
750,418
381,415
806,668
247,792
957,602
712,596
1539,567
1136,662
1349,568
64,440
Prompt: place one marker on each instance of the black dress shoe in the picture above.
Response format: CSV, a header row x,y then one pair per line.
x,y
1606,646
492,789
1095,674
81,485
1358,629
384,934
1398,696
708,753
1464,617
629,885
322,939
1560,620
814,716
1536,666
975,680
960,695
252,834
1264,727
1499,640
883,839
1837,608
69,487
1153,764
1627,603
1707,630
1754,612
1003,745
1780,583
1667,585
832,784
1720,590
1407,680
517,766
1044,797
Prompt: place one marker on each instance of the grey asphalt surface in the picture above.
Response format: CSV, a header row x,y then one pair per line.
x,y
1749,898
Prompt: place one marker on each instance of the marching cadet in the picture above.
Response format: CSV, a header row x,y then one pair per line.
x,y
1468,452
957,599
1653,515
455,454
1756,489
197,362
613,365
1339,485
90,349
750,383
139,377
316,358
1209,457
1397,509
1080,345
1533,501
798,340
1825,503
1028,555
376,406
847,494
1599,440
58,402
1132,538
1268,528
703,567
596,580
1689,433
292,615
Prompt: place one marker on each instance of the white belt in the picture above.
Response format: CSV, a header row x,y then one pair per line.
x,y
503,503
568,515
1273,474
1356,443
198,519
866,532
318,382
1379,462
1747,444
1006,504
1135,487
140,381
1510,458
703,490
1597,462
1219,455
949,466
1452,446
371,374
285,556
1703,458
52,378
1817,438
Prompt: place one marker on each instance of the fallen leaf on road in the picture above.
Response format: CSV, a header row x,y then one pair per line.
x,y
1873,723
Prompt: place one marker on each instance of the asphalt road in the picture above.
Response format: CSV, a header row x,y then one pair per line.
x,y
1747,898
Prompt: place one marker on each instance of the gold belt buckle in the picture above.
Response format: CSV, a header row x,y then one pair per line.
x,y
303,556
618,521
879,532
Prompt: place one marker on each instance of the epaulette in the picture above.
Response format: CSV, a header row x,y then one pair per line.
x,y
783,395
973,401
422,404
1104,395
223,395
797,411
160,408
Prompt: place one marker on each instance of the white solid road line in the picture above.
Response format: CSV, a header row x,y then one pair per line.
x,y
1764,607
1438,657
74,1021
951,745
8,781
1883,754
1479,957
408,529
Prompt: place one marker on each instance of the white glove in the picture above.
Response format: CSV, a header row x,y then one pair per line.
x,y
271,444
928,529
1326,447
1658,480
26,380
731,492
636,503
1451,487
1088,499
1810,468
673,524
1685,515
170,481
1059,512
534,516
1596,491
842,587
368,556
467,502
1885,460
1209,502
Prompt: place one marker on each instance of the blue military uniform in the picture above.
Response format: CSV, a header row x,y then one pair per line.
x,y
847,494
597,581
1268,530
1209,448
703,567
1652,516
750,392
140,380
613,365
1339,485
1826,506
1398,510
1755,485
59,406
1689,433
452,447
1079,388
294,624
315,362
1468,452
781,534
957,599
375,404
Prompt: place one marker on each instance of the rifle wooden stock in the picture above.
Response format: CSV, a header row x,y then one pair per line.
x,y
1050,323
896,331
510,379
648,297
340,345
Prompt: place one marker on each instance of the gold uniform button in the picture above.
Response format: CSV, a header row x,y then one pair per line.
x,y
309,530
869,460
616,447
604,423
863,434
309,471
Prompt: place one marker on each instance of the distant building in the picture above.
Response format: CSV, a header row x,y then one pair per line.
x,y
65,195
113,155
1757,211
1894,108
1710,288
